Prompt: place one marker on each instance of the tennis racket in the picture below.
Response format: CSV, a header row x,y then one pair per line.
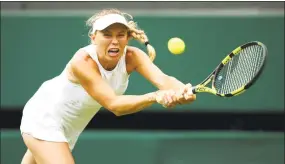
x,y
237,72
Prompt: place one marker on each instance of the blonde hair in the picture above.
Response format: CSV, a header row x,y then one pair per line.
x,y
134,31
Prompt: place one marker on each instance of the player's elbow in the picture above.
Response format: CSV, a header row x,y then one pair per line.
x,y
117,113
120,110
114,109
120,107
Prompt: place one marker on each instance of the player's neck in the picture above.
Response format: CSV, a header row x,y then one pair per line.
x,y
108,65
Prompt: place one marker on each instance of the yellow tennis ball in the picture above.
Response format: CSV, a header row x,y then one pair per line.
x,y
176,46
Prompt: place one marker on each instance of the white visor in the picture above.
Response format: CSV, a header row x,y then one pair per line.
x,y
107,20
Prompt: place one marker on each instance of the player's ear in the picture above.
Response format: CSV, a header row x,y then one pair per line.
x,y
129,36
92,36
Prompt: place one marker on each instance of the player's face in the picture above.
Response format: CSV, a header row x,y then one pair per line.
x,y
111,41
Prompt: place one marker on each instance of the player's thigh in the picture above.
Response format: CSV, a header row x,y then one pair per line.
x,y
46,152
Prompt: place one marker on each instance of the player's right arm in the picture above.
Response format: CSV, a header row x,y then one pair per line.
x,y
88,75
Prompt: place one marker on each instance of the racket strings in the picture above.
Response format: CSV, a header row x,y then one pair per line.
x,y
240,70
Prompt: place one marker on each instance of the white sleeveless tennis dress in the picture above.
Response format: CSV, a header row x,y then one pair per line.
x,y
60,110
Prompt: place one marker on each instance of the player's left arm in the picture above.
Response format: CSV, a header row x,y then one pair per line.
x,y
144,66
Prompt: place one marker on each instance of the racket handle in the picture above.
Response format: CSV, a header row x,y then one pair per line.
x,y
193,89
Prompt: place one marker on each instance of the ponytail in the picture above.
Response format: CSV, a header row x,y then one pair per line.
x,y
140,36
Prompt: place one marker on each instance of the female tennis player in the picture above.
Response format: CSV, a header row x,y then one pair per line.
x,y
96,76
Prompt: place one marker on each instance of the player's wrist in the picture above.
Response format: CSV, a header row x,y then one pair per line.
x,y
151,97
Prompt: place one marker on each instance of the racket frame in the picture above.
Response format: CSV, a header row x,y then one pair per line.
x,y
202,86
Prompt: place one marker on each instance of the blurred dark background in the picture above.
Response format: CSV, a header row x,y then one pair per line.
x,y
38,39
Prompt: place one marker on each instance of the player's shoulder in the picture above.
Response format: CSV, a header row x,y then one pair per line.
x,y
135,56
84,51
80,54
134,51
81,57
131,50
